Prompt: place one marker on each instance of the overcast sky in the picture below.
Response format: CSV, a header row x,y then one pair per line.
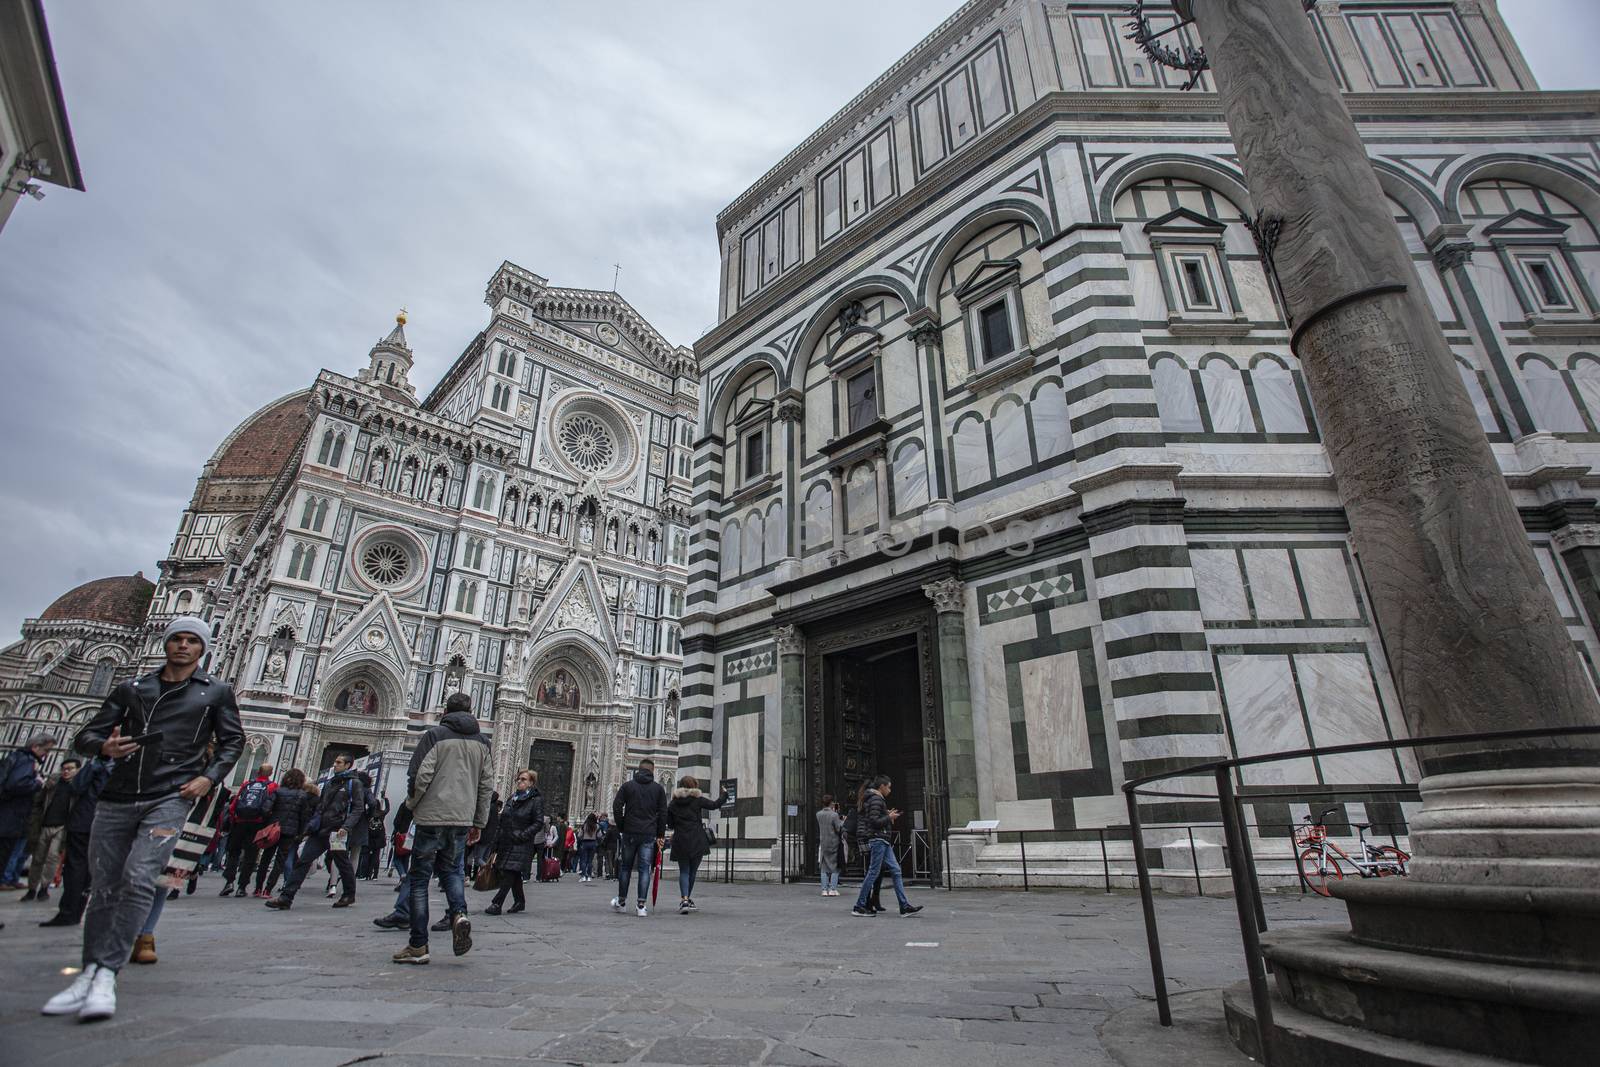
x,y
265,192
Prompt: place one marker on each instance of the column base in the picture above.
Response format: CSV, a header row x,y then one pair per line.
x,y
1536,826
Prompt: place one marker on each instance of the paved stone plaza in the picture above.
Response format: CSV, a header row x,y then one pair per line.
x,y
763,974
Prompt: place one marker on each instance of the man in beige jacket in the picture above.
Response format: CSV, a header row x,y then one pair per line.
x,y
449,783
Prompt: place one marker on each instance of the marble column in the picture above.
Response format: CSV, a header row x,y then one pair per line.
x,y
836,480
880,469
790,412
791,689
955,699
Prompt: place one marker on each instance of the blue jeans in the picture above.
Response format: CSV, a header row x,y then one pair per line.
x,y
640,848
12,859
444,848
128,848
686,873
402,893
586,858
882,859
156,909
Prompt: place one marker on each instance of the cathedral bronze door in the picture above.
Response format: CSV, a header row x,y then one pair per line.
x,y
553,761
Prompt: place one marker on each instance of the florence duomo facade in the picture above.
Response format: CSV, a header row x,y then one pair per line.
x,y
519,533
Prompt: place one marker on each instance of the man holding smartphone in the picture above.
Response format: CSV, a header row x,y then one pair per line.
x,y
155,730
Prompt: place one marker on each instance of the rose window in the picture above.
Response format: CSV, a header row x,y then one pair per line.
x,y
385,563
587,443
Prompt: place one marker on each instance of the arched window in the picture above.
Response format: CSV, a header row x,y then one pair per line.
x,y
1277,397
307,561
729,546
506,363
185,599
1550,396
332,450
1186,227
467,598
100,684
483,493
1175,397
1225,396
816,527
472,554
910,477
1009,425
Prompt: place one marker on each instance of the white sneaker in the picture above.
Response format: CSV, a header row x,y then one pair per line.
x,y
642,912
616,905
70,999
101,1003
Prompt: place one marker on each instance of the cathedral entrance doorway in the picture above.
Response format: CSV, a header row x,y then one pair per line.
x,y
332,751
872,709
553,761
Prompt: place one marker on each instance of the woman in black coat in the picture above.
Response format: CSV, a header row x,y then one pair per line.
x,y
689,841
292,806
521,820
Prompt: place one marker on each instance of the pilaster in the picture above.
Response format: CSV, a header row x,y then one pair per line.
x,y
949,598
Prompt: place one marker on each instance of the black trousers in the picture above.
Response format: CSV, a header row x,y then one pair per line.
x,y
510,882
242,846
310,851
272,861
75,876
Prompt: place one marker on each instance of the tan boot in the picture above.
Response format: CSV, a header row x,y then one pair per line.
x,y
144,949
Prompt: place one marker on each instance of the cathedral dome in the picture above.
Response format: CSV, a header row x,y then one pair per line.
x,y
120,601
263,443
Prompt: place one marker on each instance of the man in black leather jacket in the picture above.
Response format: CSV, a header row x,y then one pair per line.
x,y
178,711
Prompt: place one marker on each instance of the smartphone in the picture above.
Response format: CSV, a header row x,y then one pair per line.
x,y
144,739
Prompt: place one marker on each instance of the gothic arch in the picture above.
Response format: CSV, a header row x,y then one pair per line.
x,y
392,697
1420,202
581,654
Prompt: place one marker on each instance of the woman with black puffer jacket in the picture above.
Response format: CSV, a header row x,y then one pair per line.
x,y
292,806
690,843
521,824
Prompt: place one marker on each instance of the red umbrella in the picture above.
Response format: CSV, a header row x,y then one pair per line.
x,y
655,879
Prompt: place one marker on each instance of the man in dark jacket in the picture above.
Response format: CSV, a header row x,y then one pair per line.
x,y
877,823
85,788
340,810
639,812
19,781
47,834
172,735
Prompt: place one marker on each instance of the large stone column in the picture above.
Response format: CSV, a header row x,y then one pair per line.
x,y
791,689
1474,639
955,698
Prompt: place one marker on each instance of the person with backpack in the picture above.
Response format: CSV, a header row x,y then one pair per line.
x,y
521,821
343,807
829,828
247,816
690,839
372,852
569,846
292,807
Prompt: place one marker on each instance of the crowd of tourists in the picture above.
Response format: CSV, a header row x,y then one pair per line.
x,y
139,813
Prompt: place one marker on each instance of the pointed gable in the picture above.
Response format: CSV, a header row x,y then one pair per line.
x,y
985,276
1525,223
374,632
576,603
1184,222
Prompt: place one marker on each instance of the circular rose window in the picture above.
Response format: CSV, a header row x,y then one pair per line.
x,y
587,444
385,563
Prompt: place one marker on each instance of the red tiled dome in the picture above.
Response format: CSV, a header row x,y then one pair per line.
x,y
264,442
121,601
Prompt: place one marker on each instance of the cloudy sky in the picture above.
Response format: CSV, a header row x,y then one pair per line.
x,y
265,192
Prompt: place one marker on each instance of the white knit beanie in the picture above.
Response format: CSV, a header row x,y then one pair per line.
x,y
188,624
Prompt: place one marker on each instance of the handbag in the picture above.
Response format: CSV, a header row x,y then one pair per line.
x,y
711,835
488,879
269,835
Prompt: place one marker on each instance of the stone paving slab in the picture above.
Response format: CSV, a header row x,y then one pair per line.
x,y
762,975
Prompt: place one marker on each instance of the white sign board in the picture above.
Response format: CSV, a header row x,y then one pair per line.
x,y
983,825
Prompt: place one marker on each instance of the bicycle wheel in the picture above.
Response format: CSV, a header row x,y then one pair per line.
x,y
1393,861
1316,867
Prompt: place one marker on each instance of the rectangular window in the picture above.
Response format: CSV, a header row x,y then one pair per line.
x,y
1548,291
829,193
861,398
994,329
990,73
958,105
755,454
881,150
1095,47
930,129
750,269
791,233
769,250
855,187
1194,282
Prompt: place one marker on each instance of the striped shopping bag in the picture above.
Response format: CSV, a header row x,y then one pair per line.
x,y
198,829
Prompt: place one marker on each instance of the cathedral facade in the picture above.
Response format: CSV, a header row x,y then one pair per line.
x,y
1007,482
518,534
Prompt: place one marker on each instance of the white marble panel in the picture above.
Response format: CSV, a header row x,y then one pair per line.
x,y
1175,399
1343,708
900,377
1053,709
1264,714
1225,399
1277,398
816,524
971,455
860,498
1010,429
1221,586
775,548
1052,431
1552,578
819,417
743,746
1025,815
1326,579
1089,813
910,478
1272,585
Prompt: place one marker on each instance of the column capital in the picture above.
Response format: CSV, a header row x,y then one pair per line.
x,y
947,594
791,642
1578,535
928,335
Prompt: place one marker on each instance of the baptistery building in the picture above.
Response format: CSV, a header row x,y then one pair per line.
x,y
1007,482
518,533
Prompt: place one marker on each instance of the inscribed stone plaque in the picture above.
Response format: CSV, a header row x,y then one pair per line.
x,y
1053,710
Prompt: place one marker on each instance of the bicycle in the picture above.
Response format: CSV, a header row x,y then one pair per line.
x,y
1319,857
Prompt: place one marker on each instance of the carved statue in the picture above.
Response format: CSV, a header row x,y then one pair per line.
x,y
586,531
379,466
277,666
408,479
436,487
620,685
611,536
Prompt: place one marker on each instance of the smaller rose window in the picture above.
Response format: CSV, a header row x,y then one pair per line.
x,y
587,443
385,563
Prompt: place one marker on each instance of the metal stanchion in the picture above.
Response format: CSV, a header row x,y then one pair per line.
x,y
1022,840
1194,861
1243,896
1152,936
1105,861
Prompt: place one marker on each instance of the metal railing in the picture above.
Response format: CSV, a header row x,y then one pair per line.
x,y
1241,863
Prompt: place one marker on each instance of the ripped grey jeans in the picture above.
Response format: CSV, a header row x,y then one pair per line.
x,y
128,848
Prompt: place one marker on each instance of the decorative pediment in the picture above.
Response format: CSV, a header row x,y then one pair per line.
x,y
1525,223
986,276
576,602
1184,222
753,409
375,632
288,614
